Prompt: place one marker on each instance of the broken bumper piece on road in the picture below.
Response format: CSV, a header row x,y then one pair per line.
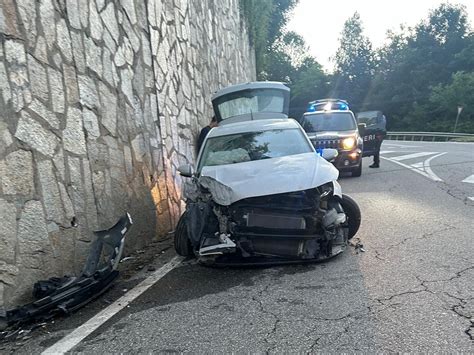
x,y
67,294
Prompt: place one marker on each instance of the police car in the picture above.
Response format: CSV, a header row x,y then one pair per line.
x,y
329,123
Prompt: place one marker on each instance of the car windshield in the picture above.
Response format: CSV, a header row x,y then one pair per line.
x,y
331,121
252,101
242,147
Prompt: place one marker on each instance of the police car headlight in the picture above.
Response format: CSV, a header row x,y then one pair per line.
x,y
348,143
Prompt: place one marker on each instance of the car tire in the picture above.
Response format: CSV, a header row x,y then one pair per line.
x,y
352,211
357,171
182,244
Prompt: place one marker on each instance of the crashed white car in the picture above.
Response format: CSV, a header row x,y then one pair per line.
x,y
260,193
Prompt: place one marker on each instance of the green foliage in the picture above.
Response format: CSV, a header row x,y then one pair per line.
x,y
265,20
419,64
445,99
417,79
355,63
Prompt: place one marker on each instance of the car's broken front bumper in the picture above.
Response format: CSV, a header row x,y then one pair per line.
x,y
287,227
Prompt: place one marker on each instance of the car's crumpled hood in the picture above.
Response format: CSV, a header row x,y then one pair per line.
x,y
266,177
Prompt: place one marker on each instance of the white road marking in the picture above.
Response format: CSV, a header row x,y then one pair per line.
x,y
427,168
469,179
412,156
471,198
399,145
422,168
80,333
387,151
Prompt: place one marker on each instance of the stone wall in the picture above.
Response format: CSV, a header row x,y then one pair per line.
x,y
100,101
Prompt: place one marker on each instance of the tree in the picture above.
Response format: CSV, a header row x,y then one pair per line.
x,y
265,22
355,63
310,83
445,99
417,59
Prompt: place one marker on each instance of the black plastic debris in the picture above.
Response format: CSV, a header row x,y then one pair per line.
x,y
63,295
358,246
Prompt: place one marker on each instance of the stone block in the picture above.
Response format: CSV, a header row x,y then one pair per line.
x,y
34,249
93,55
90,200
73,135
129,7
4,84
5,138
73,14
109,67
91,124
88,92
16,173
8,273
139,148
68,207
27,11
84,12
110,20
108,109
8,239
96,27
126,76
46,10
72,89
63,40
78,51
57,90
38,138
19,83
41,110
8,18
41,52
58,162
50,192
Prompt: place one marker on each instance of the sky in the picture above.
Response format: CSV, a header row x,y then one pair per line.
x,y
320,22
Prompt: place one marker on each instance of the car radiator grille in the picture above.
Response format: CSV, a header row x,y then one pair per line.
x,y
327,143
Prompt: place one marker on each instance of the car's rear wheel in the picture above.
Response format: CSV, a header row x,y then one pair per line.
x,y
357,171
182,244
352,211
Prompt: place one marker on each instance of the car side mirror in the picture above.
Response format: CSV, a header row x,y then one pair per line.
x,y
185,170
330,154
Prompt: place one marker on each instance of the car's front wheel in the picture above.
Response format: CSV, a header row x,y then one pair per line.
x,y
352,211
182,244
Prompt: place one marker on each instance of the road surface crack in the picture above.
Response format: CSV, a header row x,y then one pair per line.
x,y
258,299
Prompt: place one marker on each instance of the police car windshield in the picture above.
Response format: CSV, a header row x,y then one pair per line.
x,y
242,147
330,121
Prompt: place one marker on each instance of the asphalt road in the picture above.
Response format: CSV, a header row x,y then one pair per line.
x,y
412,289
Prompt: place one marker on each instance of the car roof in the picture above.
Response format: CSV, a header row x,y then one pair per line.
x,y
250,85
253,126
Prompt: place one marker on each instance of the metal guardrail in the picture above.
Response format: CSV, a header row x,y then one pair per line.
x,y
433,136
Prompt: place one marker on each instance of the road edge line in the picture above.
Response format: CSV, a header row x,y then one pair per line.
x,y
80,333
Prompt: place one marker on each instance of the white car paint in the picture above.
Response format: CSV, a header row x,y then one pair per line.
x,y
269,176
273,176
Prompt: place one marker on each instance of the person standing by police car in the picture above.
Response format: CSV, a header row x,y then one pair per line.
x,y
204,132
379,136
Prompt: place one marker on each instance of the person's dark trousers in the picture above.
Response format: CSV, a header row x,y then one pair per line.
x,y
376,162
377,157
